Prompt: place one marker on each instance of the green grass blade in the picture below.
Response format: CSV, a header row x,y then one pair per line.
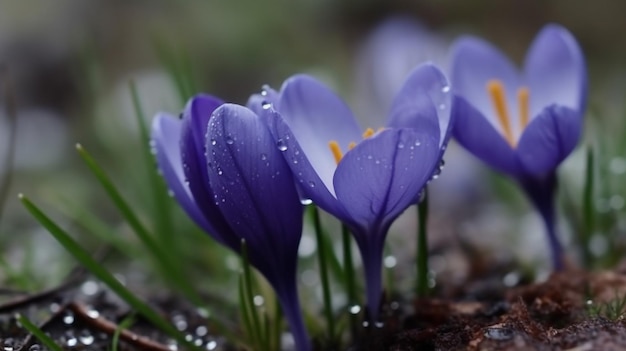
x,y
11,113
125,324
163,257
86,259
323,259
588,210
162,209
38,333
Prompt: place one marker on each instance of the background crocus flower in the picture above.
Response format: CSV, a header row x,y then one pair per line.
x,y
522,124
221,163
366,179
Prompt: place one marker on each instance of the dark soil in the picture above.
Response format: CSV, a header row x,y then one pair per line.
x,y
573,310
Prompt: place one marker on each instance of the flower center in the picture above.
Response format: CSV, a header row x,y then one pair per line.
x,y
496,91
336,149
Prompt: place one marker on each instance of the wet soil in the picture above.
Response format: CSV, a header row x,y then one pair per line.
x,y
573,310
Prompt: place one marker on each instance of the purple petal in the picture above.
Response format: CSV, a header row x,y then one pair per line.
x,y
166,131
479,137
555,71
316,116
310,184
381,176
425,98
474,63
384,61
254,188
192,146
548,140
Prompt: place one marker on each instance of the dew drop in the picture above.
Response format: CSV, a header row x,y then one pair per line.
x,y
390,261
263,157
34,347
68,318
311,184
179,322
266,105
211,345
445,89
280,144
355,309
229,140
213,141
86,338
499,333
258,300
306,202
418,143
400,145
201,330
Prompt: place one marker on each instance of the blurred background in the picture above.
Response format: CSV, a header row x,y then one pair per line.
x,y
67,67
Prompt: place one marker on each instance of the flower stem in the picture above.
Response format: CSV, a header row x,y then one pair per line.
x,y
322,254
541,192
422,247
348,265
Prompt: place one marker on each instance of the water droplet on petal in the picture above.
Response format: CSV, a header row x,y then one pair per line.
x,y
266,105
311,184
229,140
445,89
400,145
280,144
263,157
213,141
355,309
306,201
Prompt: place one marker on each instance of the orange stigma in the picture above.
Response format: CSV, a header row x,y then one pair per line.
x,y
336,150
523,96
498,97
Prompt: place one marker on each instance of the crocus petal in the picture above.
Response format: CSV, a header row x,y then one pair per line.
x,y
479,137
166,131
192,148
254,187
316,116
310,184
474,63
555,71
425,98
548,140
390,52
381,176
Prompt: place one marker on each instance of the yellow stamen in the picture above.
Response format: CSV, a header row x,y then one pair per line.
x,y
368,133
351,145
498,97
336,150
523,96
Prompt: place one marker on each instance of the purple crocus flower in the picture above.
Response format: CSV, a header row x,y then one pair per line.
x,y
222,165
366,179
524,124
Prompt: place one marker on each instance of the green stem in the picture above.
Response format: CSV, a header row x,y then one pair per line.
x,y
422,247
322,254
588,213
247,278
349,277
